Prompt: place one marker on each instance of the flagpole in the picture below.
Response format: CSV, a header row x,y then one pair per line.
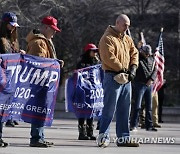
x,y
141,34
142,39
129,32
162,29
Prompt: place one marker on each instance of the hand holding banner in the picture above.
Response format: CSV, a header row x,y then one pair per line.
x,y
28,88
84,92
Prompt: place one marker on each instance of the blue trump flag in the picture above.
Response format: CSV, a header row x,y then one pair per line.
x,y
28,88
84,93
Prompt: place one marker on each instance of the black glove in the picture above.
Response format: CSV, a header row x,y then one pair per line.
x,y
132,72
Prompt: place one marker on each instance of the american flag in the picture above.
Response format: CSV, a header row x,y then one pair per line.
x,y
159,60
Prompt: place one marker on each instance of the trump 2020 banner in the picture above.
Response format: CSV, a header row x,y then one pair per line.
x,y
28,88
84,93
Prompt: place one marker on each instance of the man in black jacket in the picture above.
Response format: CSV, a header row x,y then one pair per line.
x,y
145,75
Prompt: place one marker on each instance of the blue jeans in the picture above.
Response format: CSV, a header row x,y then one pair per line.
x,y
142,90
37,133
116,99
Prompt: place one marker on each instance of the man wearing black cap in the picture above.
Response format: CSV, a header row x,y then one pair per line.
x,y
40,44
145,75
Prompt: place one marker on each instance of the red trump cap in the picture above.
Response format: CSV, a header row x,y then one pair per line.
x,y
52,22
90,46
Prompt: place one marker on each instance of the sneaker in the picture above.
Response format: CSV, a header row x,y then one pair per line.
x,y
133,129
103,140
39,144
127,144
152,129
3,144
49,143
157,125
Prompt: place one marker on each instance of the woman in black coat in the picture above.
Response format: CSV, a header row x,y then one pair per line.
x,y
8,44
89,58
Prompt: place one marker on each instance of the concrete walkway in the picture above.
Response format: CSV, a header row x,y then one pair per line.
x,y
64,134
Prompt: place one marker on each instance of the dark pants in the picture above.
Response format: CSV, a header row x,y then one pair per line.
x,y
141,90
37,133
89,122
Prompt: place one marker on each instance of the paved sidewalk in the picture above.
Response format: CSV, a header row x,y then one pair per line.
x,y
64,134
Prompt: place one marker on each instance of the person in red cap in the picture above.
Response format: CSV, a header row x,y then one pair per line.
x,y
39,41
8,44
89,58
40,44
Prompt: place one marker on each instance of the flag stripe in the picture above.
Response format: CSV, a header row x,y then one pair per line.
x,y
160,66
159,60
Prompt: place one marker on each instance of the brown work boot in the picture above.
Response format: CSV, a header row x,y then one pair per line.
x,y
156,125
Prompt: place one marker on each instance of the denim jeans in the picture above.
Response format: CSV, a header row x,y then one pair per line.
x,y
37,133
142,90
116,99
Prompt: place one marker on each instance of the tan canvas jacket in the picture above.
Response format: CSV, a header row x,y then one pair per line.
x,y
117,51
38,45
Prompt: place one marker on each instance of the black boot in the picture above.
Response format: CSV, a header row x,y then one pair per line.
x,y
15,122
82,133
10,123
90,132
3,144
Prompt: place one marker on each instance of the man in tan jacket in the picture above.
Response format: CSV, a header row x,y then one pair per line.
x,y
39,41
40,44
119,59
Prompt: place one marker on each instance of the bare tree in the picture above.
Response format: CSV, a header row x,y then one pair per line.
x,y
84,21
